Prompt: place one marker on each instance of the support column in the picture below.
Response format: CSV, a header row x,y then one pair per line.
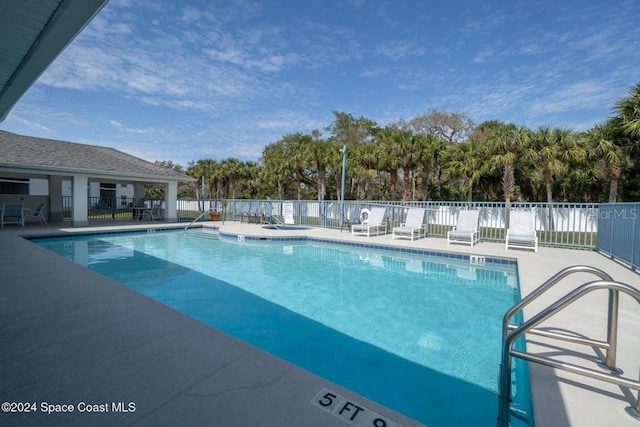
x,y
80,201
138,193
55,199
171,202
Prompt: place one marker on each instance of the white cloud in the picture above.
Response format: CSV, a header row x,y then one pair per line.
x,y
582,95
484,55
375,72
400,49
18,119
223,78
116,124
287,121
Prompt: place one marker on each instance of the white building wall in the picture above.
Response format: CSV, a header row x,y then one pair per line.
x,y
94,189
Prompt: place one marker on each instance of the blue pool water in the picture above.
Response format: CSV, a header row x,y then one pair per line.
x,y
419,334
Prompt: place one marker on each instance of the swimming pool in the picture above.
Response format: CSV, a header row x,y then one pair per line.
x,y
419,334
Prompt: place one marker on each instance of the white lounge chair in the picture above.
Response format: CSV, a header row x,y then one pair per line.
x,y
154,213
12,214
37,214
250,210
522,231
467,229
353,217
373,224
412,227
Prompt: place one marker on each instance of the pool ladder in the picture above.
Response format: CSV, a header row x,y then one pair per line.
x,y
510,333
195,220
276,220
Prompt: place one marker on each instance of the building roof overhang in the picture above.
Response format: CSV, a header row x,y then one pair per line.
x,y
32,35
32,155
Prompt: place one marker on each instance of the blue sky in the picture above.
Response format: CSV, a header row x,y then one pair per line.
x,y
193,79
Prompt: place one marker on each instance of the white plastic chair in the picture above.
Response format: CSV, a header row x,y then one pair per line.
x,y
38,213
154,213
467,229
373,224
12,214
522,231
412,227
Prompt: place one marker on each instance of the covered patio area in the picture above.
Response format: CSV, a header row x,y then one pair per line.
x,y
74,180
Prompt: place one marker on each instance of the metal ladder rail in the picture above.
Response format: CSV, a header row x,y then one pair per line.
x,y
504,393
609,346
195,220
276,219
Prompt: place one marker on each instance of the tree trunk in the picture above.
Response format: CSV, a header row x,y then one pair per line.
x,y
508,183
613,190
393,183
425,185
549,204
507,211
413,187
437,182
470,191
321,183
406,184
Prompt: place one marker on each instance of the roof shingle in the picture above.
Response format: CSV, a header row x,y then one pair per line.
x,y
44,153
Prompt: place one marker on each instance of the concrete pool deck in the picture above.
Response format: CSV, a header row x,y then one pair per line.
x,y
71,336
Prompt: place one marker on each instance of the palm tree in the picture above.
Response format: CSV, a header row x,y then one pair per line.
x,y
555,148
388,160
629,110
507,144
444,129
399,149
364,165
354,133
275,165
430,148
250,174
320,153
231,170
198,170
611,148
296,157
466,160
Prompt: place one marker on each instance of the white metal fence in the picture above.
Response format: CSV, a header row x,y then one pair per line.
x,y
557,224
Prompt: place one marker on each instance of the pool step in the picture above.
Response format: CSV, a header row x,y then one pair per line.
x,y
206,232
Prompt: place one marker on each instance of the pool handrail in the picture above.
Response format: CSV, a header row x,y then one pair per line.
x,y
612,326
278,222
195,220
504,391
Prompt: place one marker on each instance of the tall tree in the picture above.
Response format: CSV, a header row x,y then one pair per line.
x,y
347,130
451,126
443,129
629,111
507,143
354,132
611,148
275,164
197,170
556,148
231,171
467,160
399,149
251,176
320,154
